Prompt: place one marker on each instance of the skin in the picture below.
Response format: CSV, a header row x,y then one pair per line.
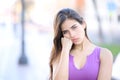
x,y
73,33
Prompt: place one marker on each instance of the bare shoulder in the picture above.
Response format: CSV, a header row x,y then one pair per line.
x,y
106,54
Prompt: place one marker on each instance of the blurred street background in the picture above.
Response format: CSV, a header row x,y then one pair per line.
x,y
26,33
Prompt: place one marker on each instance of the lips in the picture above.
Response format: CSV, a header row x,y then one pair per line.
x,y
75,39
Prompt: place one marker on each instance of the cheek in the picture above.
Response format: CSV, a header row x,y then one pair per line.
x,y
81,33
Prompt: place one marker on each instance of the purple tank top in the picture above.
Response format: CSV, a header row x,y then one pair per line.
x,y
89,71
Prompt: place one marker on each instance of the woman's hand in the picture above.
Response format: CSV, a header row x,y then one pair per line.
x,y
66,43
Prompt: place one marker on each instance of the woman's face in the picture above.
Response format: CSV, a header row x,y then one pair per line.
x,y
73,30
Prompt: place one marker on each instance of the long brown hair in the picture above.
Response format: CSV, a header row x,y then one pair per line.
x,y
57,46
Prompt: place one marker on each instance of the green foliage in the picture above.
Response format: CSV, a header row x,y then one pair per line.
x,y
115,48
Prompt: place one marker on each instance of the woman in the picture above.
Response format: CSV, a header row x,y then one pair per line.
x,y
73,56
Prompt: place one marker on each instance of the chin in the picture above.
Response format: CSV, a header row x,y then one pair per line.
x,y
77,43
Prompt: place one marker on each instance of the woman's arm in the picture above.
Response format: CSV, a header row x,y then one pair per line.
x,y
60,68
106,61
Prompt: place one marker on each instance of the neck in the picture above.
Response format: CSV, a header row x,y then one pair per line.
x,y
83,45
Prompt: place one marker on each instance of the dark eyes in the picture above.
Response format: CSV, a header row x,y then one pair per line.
x,y
64,32
74,27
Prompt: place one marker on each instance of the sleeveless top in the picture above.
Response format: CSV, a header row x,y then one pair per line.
x,y
89,71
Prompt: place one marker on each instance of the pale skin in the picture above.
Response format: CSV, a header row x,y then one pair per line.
x,y
74,33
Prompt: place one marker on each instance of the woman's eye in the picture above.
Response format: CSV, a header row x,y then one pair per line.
x,y
64,32
74,27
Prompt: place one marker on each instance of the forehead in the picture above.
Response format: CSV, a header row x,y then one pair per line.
x,y
69,23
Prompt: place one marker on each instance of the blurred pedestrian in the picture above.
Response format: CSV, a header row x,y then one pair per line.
x,y
74,56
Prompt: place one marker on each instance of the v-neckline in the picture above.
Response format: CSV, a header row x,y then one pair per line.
x,y
75,66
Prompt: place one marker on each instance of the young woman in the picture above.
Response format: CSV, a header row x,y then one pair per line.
x,y
74,56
